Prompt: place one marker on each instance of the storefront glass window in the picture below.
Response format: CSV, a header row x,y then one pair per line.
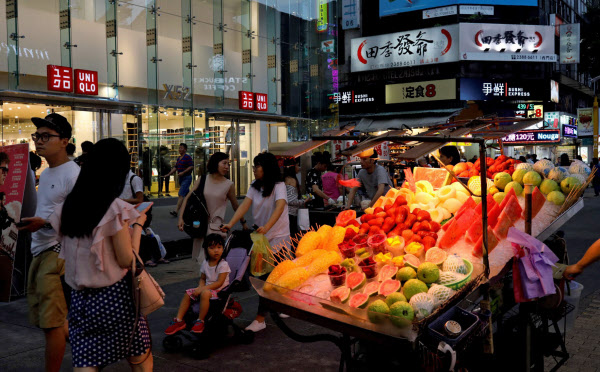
x,y
132,64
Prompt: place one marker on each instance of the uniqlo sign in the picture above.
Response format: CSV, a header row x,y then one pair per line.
x,y
246,100
86,82
261,102
59,78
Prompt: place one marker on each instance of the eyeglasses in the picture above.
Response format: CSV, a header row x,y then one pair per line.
x,y
44,136
255,167
4,170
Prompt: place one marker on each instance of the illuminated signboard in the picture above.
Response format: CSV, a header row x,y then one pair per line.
x,y
420,91
86,82
529,110
261,102
59,78
494,90
569,131
387,7
322,21
246,100
532,137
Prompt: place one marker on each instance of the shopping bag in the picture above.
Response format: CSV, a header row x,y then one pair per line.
x,y
260,254
535,262
303,219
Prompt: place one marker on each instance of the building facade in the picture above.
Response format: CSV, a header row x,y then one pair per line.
x,y
218,75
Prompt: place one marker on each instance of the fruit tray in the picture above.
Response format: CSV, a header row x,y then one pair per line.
x,y
467,322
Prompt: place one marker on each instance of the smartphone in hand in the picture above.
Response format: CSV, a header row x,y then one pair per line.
x,y
143,206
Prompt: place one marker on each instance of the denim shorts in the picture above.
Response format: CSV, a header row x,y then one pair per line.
x,y
184,185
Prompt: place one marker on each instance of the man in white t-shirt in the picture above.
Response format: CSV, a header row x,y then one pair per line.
x,y
47,304
133,192
374,179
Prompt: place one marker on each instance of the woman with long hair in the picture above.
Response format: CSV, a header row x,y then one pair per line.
x,y
99,234
293,191
268,198
449,155
217,190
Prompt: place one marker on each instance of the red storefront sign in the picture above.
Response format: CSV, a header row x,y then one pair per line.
x,y
261,102
246,100
86,82
59,78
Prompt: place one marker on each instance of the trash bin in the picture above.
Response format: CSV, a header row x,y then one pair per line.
x,y
573,299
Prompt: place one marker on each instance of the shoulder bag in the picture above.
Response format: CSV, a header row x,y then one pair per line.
x,y
147,294
196,210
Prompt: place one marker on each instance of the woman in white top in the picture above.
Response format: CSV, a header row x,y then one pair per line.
x,y
268,198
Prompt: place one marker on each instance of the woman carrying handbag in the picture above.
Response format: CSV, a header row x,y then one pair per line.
x,y
216,191
100,237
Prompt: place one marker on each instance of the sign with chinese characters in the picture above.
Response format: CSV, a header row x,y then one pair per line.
x,y
350,14
261,102
246,100
387,7
86,82
323,18
440,12
532,137
405,49
59,78
476,9
502,42
585,125
352,97
353,100
569,43
552,119
492,90
420,91
569,131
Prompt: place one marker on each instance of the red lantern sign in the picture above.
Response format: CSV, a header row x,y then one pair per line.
x,y
86,82
59,78
261,102
246,100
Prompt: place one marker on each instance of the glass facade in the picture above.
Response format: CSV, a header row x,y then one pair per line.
x,y
170,72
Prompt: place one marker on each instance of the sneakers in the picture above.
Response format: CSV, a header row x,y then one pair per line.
x,y
175,327
198,326
283,316
256,326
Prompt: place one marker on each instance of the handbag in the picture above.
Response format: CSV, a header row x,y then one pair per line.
x,y
147,294
303,219
196,210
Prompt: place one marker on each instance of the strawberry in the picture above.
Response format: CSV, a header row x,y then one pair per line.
x,y
353,222
350,233
435,227
416,227
425,226
377,210
423,216
381,215
407,235
400,200
376,222
428,242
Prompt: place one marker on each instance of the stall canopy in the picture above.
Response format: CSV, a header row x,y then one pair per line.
x,y
414,119
305,147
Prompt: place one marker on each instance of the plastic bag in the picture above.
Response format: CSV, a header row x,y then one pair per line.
x,y
303,219
260,254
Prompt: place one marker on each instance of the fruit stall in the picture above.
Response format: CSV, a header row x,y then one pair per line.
x,y
405,272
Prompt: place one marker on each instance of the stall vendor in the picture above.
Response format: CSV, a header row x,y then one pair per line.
x,y
314,182
374,179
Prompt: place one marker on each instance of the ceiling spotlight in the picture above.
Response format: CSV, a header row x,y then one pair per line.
x,y
27,106
10,108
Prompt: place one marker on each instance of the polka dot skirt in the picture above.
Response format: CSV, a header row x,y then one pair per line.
x,y
101,323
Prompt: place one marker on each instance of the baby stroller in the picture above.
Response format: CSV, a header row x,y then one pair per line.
x,y
222,310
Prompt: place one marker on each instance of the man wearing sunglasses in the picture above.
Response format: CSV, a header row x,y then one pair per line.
x,y
47,304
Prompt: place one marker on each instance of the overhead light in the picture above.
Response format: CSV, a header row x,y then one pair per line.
x,y
486,50
10,108
19,107
16,117
27,106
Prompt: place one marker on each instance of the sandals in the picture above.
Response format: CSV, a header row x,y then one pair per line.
x,y
163,261
150,263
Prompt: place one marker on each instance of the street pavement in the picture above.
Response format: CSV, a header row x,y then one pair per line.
x,y
23,344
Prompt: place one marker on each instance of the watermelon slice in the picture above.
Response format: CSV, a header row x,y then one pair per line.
x,y
355,280
438,177
475,231
493,215
359,300
469,204
537,202
458,229
490,204
387,272
510,193
492,243
340,295
447,225
389,286
504,223
371,288
513,209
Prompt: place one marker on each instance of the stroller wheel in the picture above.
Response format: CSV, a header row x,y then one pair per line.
x,y
246,337
172,343
199,352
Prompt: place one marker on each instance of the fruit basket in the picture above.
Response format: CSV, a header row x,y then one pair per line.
x,y
461,283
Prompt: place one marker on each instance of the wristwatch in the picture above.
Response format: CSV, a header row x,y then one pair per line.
x,y
47,225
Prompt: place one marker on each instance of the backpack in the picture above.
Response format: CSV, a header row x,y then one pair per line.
x,y
149,212
196,210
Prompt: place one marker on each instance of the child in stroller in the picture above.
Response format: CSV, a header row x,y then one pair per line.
x,y
221,275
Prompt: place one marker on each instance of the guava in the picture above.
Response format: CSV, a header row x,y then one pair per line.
x,y
402,314
532,178
547,186
518,175
568,184
406,273
502,179
498,197
493,190
428,272
514,185
556,197
376,309
412,287
394,297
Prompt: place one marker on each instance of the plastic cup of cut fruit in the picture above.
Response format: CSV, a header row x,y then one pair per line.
x,y
337,275
360,241
368,267
376,243
347,249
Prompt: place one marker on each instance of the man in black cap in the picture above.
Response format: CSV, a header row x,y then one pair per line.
x,y
47,304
